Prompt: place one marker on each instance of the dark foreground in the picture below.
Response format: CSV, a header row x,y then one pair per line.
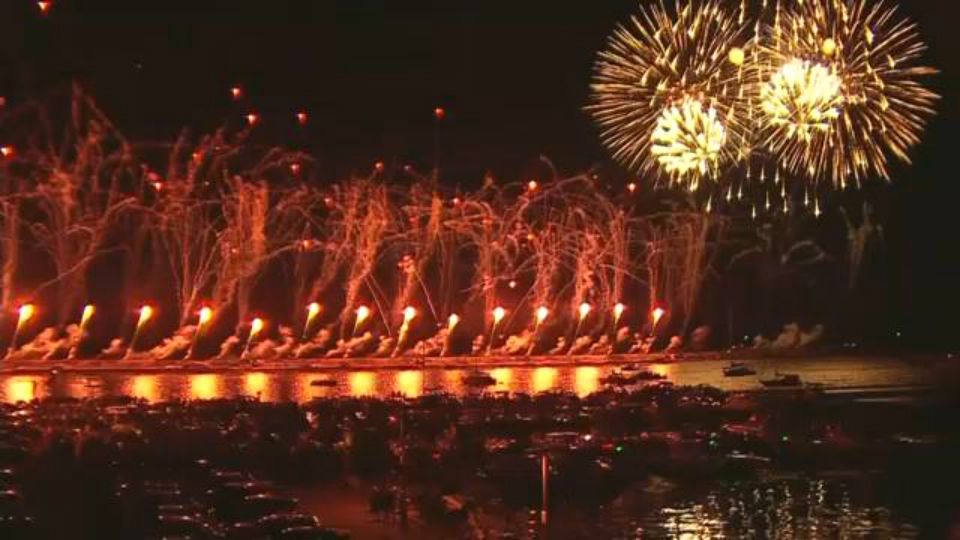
x,y
649,461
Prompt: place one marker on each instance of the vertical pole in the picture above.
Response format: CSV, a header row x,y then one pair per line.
x,y
544,487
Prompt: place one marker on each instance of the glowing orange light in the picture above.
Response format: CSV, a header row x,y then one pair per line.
x,y
409,313
26,313
379,166
44,7
456,201
158,186
532,185
631,187
657,314
439,113
618,310
452,321
302,118
205,315
542,314
88,311
236,92
146,312
313,310
255,327
295,168
253,118
512,284
498,314
6,151
584,310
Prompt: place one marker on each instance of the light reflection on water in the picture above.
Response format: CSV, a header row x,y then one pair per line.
x,y
794,509
296,386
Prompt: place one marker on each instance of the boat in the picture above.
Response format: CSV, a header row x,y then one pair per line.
x,y
323,382
617,378
479,379
737,369
782,380
647,375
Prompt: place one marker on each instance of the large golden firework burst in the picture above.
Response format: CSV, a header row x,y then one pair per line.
x,y
839,88
668,93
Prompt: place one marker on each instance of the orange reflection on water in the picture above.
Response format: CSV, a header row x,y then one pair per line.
x,y
256,385
504,378
144,387
453,381
362,383
544,379
22,389
586,379
410,383
204,386
665,370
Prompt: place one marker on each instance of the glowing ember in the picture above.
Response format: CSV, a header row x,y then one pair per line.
x,y
452,321
146,312
205,315
439,113
498,314
409,313
6,151
236,92
302,118
362,313
736,56
26,312
532,185
44,7
252,118
88,311
313,310
657,314
618,310
542,313
632,187
584,310
256,326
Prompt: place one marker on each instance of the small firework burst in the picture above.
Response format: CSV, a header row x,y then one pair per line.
x,y
663,78
800,99
867,54
688,139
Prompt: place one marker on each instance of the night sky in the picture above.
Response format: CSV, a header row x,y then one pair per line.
x,y
512,75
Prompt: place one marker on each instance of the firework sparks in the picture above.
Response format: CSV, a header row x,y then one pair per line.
x,y
542,314
840,88
312,311
618,310
584,310
656,314
453,321
88,311
498,314
688,139
666,90
146,313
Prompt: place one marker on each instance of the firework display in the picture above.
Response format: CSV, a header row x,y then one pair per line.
x,y
841,88
828,90
667,93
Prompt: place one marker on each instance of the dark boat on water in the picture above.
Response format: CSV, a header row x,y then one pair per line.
x,y
623,379
479,379
737,369
782,380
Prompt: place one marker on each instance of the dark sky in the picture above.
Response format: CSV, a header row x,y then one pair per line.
x,y
512,75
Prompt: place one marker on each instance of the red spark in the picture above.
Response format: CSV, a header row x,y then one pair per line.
x,y
44,7
379,166
439,113
236,92
631,187
295,168
302,118
253,118
6,151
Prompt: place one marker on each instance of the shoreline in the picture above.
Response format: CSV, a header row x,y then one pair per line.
x,y
140,365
